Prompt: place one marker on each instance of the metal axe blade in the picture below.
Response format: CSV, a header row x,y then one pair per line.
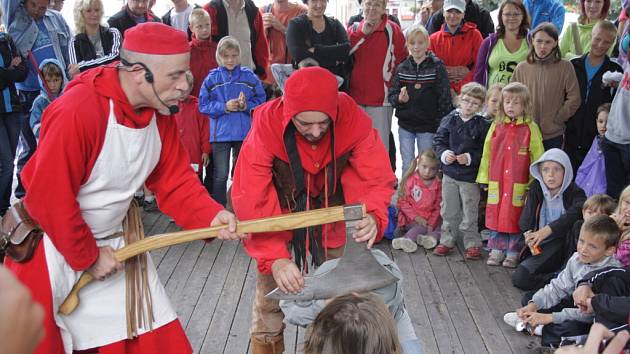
x,y
357,270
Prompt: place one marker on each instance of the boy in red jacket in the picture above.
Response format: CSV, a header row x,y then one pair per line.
x,y
202,48
194,133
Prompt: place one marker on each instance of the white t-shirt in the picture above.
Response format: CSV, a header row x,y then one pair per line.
x,y
179,20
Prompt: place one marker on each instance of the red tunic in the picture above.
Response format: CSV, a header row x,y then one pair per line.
x,y
367,178
194,129
73,131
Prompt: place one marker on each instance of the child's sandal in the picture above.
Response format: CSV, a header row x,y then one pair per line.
x,y
495,258
510,262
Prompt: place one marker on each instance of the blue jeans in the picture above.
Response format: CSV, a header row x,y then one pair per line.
x,y
408,142
221,161
9,133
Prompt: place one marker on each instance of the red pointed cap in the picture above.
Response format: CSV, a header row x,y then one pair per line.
x,y
155,38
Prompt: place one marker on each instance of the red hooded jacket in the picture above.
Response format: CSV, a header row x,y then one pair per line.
x,y
202,60
459,49
194,129
366,178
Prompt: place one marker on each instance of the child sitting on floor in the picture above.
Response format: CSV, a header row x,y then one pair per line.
x,y
418,205
550,311
591,176
459,144
553,204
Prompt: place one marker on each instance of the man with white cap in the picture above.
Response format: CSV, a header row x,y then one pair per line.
x,y
109,134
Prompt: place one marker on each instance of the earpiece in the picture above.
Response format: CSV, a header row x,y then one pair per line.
x,y
148,76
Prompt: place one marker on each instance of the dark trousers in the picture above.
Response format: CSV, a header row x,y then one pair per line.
x,y
27,138
221,161
552,333
392,152
617,158
536,271
554,143
9,133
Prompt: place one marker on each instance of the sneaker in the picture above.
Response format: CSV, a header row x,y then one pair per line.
x,y
473,253
442,250
150,206
427,242
495,258
510,262
512,320
405,244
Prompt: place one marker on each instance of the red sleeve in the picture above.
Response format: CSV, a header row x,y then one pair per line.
x,y
176,186
434,218
71,138
355,36
254,196
406,207
214,30
367,173
400,45
262,46
204,131
476,40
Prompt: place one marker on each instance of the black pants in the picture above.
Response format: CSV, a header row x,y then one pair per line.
x,y
536,271
27,138
617,157
392,152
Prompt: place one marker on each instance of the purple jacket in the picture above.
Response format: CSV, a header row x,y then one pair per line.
x,y
483,56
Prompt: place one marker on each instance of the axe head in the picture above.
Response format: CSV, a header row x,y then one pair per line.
x,y
357,270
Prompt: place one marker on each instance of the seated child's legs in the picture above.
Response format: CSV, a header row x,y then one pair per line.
x,y
536,271
567,302
552,333
450,210
414,230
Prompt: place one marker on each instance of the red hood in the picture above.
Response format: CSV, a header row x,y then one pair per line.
x,y
310,89
104,82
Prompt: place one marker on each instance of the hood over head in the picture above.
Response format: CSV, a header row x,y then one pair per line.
x,y
310,89
560,157
64,81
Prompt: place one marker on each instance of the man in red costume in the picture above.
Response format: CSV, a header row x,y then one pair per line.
x,y
110,133
312,148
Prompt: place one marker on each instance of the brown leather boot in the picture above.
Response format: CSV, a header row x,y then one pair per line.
x,y
270,346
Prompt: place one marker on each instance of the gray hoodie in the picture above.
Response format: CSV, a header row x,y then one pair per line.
x,y
618,126
564,285
552,207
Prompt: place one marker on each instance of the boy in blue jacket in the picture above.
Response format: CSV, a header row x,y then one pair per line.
x,y
228,95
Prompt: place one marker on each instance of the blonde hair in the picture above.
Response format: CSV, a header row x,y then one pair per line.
x,y
600,202
197,14
607,26
226,43
474,90
495,88
416,31
516,88
79,6
353,324
428,154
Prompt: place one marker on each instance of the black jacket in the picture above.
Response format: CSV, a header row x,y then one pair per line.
x,y
123,21
611,303
573,199
8,77
474,13
427,104
166,19
82,51
461,137
571,240
331,46
582,127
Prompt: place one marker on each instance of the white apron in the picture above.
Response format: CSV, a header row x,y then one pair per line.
x,y
127,158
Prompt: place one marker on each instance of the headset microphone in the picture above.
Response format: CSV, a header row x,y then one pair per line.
x,y
148,76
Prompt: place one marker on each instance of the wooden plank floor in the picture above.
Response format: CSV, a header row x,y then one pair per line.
x,y
456,305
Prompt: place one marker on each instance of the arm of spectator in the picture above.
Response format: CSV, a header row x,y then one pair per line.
x,y
8,9
443,88
566,43
612,308
394,90
400,46
557,16
89,64
405,206
441,139
562,226
296,39
208,103
487,26
573,98
16,70
480,72
258,96
571,314
559,288
483,174
338,51
477,39
301,313
261,48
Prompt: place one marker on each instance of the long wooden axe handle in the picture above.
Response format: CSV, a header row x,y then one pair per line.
x,y
272,224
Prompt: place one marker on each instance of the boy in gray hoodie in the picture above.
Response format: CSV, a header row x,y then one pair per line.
x,y
552,205
550,311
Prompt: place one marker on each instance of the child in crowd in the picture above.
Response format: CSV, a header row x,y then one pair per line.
x,y
591,176
493,98
550,311
622,216
459,144
303,313
512,143
594,91
419,204
598,204
54,82
228,96
420,92
202,48
552,205
353,324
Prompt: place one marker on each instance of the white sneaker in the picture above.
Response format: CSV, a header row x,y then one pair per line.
x,y
512,320
426,241
404,244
